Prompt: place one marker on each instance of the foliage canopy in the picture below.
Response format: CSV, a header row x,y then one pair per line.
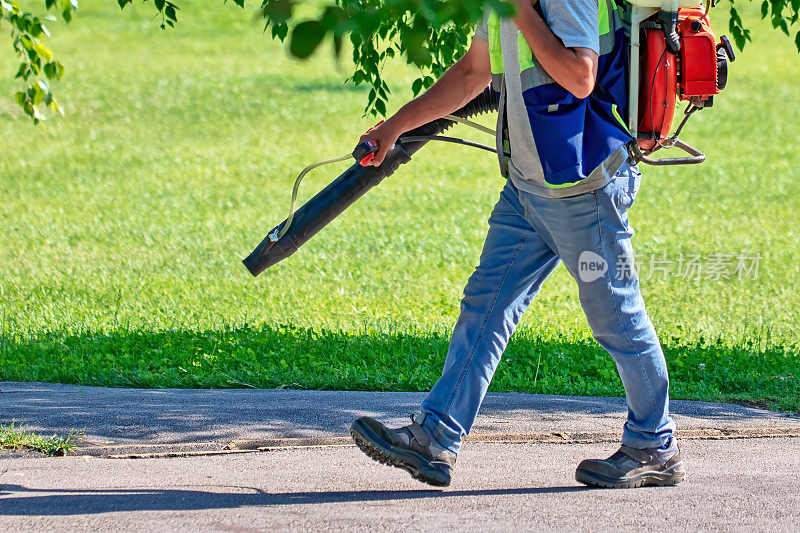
x,y
430,34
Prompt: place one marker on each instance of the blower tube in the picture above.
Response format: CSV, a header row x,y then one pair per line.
x,y
331,201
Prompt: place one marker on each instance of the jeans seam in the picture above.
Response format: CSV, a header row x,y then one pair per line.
x,y
479,338
624,330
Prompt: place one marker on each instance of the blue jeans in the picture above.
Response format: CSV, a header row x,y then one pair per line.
x,y
528,236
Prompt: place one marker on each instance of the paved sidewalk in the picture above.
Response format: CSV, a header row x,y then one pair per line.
x,y
743,485
199,468
130,420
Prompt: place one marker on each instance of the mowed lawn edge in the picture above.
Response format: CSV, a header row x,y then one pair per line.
x,y
308,358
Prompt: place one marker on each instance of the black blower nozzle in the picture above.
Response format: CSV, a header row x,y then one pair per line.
x,y
331,201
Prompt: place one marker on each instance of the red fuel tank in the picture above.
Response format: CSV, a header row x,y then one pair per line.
x,y
697,76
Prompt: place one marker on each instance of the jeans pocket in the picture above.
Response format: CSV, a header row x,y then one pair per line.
x,y
627,181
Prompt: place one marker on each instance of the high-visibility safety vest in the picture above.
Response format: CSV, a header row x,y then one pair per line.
x,y
573,135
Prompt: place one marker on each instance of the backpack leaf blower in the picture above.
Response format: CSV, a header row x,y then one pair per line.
x,y
674,55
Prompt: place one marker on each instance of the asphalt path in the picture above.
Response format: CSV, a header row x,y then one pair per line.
x,y
741,485
256,460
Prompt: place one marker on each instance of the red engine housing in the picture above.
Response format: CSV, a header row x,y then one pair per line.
x,y
698,66
691,75
657,89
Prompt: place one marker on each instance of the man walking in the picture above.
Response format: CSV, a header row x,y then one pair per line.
x,y
560,68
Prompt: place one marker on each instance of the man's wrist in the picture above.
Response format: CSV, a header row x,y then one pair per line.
x,y
401,121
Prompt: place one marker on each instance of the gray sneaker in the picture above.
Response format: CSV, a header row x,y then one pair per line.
x,y
408,447
633,467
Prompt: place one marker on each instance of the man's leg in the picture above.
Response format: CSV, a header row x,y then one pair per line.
x,y
514,263
593,237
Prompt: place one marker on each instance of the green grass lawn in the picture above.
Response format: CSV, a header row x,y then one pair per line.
x,y
123,226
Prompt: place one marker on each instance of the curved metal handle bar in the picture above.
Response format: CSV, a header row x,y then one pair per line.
x,y
696,155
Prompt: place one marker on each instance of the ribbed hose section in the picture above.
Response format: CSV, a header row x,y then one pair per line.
x,y
485,102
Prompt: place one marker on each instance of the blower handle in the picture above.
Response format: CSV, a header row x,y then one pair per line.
x,y
696,155
365,152
725,44
669,26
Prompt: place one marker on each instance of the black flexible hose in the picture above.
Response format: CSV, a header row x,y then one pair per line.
x,y
454,140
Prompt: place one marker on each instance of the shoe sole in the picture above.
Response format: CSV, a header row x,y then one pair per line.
x,y
384,453
671,476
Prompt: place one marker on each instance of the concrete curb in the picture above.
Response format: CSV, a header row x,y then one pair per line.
x,y
201,448
170,422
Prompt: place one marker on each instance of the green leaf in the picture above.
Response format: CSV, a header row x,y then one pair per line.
x,y
416,87
337,46
334,18
738,38
278,10
43,51
305,38
50,70
67,8
504,9
280,30
26,42
380,106
36,95
414,43
23,71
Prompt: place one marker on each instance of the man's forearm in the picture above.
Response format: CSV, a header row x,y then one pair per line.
x,y
573,71
460,84
455,88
